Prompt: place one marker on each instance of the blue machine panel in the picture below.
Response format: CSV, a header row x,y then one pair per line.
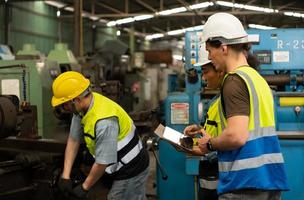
x,y
286,48
281,52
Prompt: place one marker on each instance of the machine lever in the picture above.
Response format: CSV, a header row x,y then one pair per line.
x,y
162,171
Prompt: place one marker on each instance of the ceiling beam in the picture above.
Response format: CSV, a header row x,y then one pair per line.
x,y
187,5
109,7
205,13
145,5
286,5
126,6
158,29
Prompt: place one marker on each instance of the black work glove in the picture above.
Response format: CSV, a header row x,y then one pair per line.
x,y
65,185
79,192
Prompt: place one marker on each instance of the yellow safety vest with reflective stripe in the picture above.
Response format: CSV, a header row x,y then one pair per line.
x,y
213,127
104,108
258,164
212,124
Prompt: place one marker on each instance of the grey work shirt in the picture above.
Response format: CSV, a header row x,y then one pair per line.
x,y
106,137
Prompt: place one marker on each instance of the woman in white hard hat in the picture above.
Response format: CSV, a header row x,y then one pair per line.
x,y
208,167
251,164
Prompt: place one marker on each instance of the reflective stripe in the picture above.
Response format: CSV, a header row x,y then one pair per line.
x,y
259,132
126,159
256,113
249,163
206,184
122,143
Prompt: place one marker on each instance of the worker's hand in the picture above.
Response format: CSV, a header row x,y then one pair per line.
x,y
202,142
79,192
192,130
65,185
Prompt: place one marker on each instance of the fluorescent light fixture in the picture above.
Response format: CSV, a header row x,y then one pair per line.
x,y
69,8
125,20
172,11
294,14
176,32
55,4
93,17
201,5
154,36
258,26
111,23
142,17
246,7
58,13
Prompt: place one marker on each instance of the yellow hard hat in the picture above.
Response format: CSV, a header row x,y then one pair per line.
x,y
67,86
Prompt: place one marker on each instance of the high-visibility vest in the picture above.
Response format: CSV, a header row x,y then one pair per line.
x,y
208,171
259,163
105,108
212,123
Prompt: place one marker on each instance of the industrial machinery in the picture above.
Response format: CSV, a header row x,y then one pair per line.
x,y
180,110
30,77
279,52
30,167
64,57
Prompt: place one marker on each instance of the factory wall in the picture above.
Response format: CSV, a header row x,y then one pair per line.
x,y
37,23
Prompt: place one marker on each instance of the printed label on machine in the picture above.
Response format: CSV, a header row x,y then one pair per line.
x,y
179,113
281,56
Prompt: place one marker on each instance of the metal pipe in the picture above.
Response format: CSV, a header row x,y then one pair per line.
x,y
282,79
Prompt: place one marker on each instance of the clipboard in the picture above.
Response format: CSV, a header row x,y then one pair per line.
x,y
172,137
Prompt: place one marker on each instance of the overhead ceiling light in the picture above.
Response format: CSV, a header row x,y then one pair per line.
x,y
176,32
172,11
201,5
111,23
55,4
154,36
93,17
294,14
58,13
142,17
125,20
118,33
69,8
246,7
258,26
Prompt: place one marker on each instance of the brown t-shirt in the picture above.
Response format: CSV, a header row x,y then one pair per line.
x,y
235,96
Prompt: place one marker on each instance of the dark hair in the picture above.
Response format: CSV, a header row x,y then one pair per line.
x,y
209,65
244,47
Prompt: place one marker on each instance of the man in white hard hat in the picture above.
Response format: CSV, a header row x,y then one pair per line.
x,y
251,164
208,167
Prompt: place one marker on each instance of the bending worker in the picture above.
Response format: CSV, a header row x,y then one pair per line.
x,y
208,166
110,136
251,165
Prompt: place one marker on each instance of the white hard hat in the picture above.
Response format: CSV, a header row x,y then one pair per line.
x,y
202,55
226,28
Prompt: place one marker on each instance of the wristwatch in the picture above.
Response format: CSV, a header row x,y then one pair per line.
x,y
209,145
